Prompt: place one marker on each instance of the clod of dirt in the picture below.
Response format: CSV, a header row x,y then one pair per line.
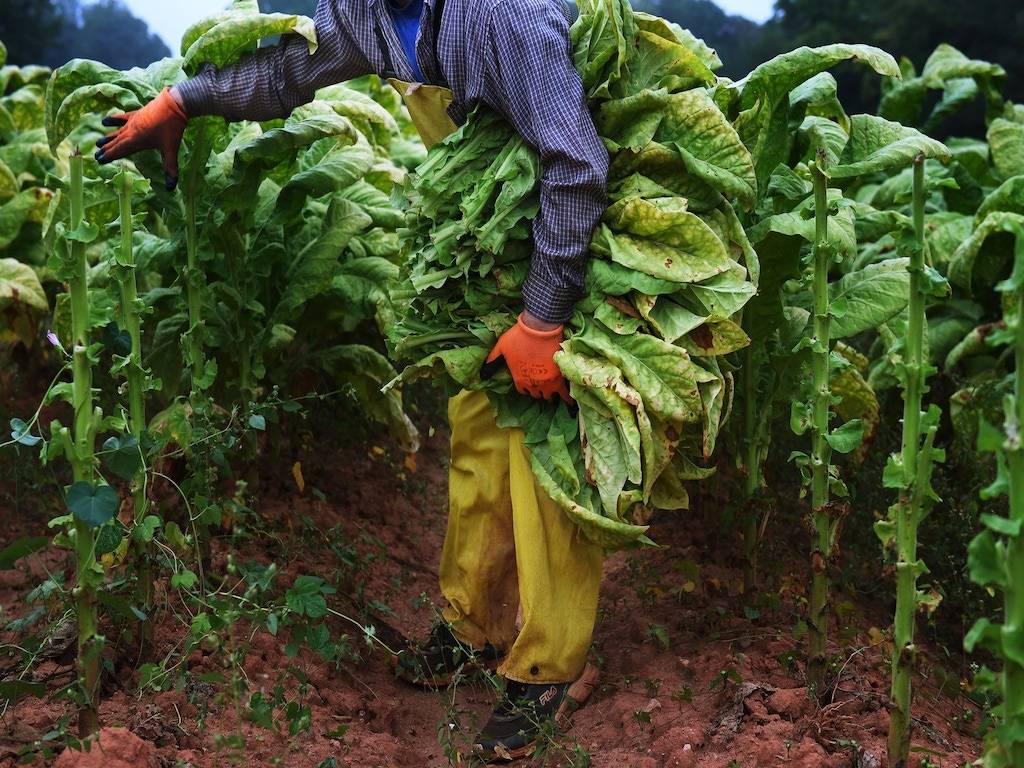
x,y
790,703
114,748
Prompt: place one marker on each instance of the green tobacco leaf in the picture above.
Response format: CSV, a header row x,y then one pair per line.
x,y
23,547
122,456
662,373
777,77
602,38
20,287
235,33
662,239
986,560
962,264
984,634
1006,141
664,59
800,223
1008,196
371,378
871,295
846,438
315,266
339,168
29,205
709,145
877,145
92,504
819,97
83,73
631,122
99,98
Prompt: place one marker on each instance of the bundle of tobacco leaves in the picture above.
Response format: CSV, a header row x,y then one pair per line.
x,y
670,267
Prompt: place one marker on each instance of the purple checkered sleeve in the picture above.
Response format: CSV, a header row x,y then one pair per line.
x,y
512,55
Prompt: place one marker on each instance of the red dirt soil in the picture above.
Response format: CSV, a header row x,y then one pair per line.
x,y
689,676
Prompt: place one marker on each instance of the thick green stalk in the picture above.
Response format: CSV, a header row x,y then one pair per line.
x,y
136,397
85,591
821,452
908,509
753,478
192,288
1013,595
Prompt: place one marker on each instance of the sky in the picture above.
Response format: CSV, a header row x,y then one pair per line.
x,y
170,18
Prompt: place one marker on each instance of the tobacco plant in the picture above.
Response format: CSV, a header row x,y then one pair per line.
x,y
129,450
996,555
910,472
90,501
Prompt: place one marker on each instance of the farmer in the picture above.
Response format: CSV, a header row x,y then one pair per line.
x,y
510,551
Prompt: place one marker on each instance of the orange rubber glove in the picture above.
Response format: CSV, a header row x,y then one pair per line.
x,y
158,125
529,355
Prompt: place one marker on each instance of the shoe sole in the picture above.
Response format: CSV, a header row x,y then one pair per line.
x,y
577,695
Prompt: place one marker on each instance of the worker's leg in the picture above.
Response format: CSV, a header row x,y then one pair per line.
x,y
559,578
478,566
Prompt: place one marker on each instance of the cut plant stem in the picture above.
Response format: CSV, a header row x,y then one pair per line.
x,y
89,642
1013,595
908,507
752,482
136,397
821,452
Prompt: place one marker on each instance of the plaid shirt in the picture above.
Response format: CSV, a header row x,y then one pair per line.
x,y
512,55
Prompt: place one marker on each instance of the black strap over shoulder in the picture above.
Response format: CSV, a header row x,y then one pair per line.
x,y
436,19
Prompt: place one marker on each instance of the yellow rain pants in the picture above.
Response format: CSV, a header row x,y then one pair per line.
x,y
508,547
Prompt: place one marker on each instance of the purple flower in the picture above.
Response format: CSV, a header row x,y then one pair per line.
x,y
52,338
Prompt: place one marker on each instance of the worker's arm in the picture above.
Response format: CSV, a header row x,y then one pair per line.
x,y
268,84
542,96
275,80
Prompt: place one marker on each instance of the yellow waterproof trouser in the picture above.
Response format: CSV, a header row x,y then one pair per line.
x,y
505,532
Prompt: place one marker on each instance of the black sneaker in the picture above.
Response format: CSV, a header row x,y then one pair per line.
x,y
526,711
435,661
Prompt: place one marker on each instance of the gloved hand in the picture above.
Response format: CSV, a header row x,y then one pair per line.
x,y
158,125
529,355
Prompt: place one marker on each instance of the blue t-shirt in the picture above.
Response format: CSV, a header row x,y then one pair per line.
x,y
407,25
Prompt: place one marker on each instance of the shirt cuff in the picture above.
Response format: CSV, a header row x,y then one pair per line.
x,y
197,93
549,302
